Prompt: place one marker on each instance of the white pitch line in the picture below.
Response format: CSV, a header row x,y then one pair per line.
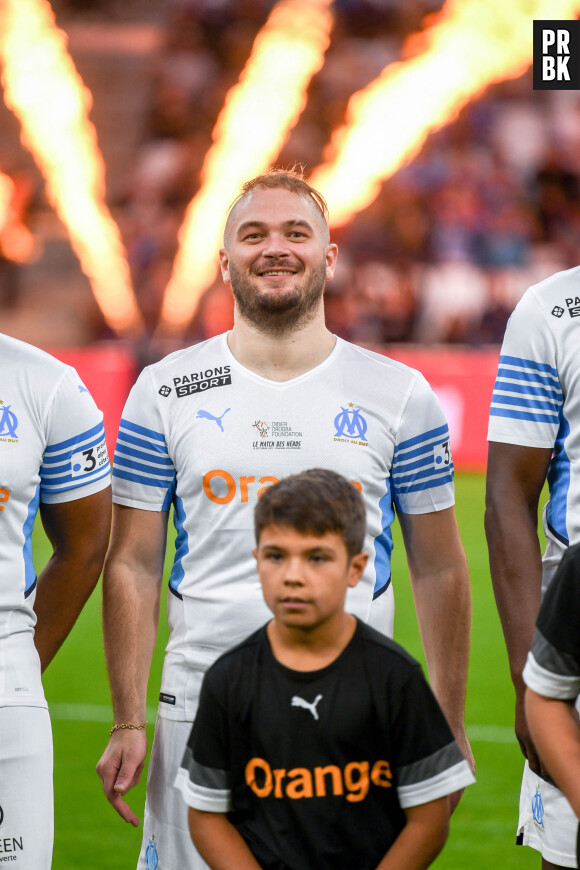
x,y
89,712
491,734
103,713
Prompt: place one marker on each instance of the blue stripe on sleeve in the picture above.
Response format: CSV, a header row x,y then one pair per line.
x,y
137,478
51,487
429,484
554,393
538,404
426,436
125,462
528,363
141,430
139,442
140,454
522,375
50,461
523,415
401,477
70,442
426,459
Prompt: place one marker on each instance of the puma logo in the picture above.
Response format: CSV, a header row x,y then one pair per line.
x,y
209,416
300,702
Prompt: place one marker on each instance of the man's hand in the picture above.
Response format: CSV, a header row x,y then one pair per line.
x,y
524,737
120,769
465,746
515,477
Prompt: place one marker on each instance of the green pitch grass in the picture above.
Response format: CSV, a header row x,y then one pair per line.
x,y
89,834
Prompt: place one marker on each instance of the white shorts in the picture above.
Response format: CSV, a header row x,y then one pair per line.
x,y
547,822
167,842
26,795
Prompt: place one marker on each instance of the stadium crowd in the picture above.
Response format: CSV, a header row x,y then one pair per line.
x,y
490,205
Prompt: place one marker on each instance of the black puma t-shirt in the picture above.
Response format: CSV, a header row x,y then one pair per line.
x,y
314,768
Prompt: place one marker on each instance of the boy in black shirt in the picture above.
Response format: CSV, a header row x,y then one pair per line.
x,y
318,744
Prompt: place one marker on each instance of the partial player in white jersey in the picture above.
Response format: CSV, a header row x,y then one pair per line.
x,y
53,459
552,677
207,429
534,434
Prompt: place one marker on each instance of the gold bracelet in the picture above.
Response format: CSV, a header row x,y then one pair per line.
x,y
128,725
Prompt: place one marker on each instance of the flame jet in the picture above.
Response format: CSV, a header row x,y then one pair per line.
x,y
258,113
469,45
45,92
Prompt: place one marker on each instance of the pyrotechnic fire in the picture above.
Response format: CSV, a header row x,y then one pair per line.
x,y
258,114
43,89
16,241
469,45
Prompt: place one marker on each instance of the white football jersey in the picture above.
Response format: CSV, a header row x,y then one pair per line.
x,y
52,449
203,432
536,397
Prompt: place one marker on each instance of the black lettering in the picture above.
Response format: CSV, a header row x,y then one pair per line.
x,y
91,461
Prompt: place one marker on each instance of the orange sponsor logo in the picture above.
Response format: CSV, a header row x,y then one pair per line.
x,y
354,781
4,496
242,488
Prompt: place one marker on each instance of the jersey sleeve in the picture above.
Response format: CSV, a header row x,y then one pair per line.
x,y
422,471
143,472
553,665
428,762
75,462
204,777
527,396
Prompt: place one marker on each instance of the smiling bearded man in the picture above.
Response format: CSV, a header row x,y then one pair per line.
x,y
296,396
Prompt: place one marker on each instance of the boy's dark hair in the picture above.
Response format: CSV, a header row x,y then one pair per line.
x,y
315,502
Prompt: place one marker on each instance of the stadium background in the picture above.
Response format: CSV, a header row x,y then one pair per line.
x,y
428,273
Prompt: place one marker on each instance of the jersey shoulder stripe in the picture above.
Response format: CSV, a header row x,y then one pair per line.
x,y
141,456
75,462
129,450
125,462
423,481
526,390
139,478
141,430
425,440
528,364
98,430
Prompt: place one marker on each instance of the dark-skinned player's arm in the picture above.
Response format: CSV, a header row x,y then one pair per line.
x,y
78,531
515,478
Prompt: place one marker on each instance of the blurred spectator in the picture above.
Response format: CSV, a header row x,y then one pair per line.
x,y
17,244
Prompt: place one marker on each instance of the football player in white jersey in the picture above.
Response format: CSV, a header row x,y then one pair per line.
x,y
534,435
208,428
53,459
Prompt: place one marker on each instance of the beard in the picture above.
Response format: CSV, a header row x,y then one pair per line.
x,y
278,313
